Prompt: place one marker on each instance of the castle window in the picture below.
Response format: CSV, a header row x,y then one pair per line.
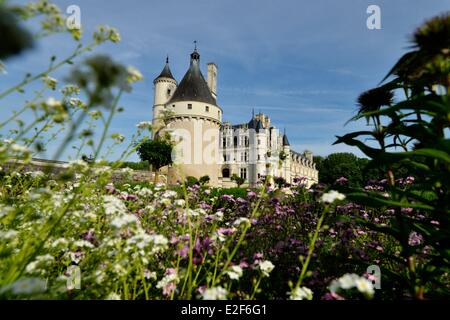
x,y
259,141
259,157
235,141
224,142
173,106
244,173
189,106
168,92
207,108
218,113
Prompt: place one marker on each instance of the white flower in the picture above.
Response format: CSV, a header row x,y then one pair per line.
x,y
242,221
169,194
127,172
113,296
134,74
235,272
144,192
266,267
149,274
118,137
78,165
83,244
113,206
160,243
219,215
50,82
364,286
287,191
180,203
75,102
144,125
60,243
19,149
332,196
39,263
349,281
216,293
123,221
301,293
7,235
168,279
53,103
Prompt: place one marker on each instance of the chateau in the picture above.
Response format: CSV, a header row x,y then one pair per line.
x,y
205,145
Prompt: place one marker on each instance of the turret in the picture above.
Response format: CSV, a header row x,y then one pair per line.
x,y
165,86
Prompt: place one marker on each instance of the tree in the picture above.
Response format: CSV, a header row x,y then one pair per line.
x,y
338,165
239,181
204,180
157,152
190,181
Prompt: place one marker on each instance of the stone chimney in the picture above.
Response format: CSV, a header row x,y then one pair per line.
x,y
212,78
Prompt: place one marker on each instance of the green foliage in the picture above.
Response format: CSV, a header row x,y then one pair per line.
x,y
190,181
204,180
338,165
235,192
239,181
157,152
143,165
416,125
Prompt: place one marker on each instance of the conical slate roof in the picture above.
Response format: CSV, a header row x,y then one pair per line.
x,y
259,126
193,87
285,140
166,73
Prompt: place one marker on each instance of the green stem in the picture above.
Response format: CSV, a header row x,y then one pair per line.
x,y
108,123
312,245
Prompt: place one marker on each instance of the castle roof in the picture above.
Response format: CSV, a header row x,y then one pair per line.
x,y
193,86
285,140
259,126
166,73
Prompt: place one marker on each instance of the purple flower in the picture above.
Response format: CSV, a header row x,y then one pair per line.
x,y
415,239
342,181
251,194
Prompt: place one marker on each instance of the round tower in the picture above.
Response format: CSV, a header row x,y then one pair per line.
x,y
165,86
195,125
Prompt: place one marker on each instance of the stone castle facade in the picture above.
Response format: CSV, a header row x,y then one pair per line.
x,y
204,145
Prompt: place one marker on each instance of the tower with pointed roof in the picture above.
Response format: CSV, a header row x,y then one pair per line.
x,y
165,86
193,120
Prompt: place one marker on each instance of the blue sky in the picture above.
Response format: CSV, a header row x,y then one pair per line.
x,y
301,62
